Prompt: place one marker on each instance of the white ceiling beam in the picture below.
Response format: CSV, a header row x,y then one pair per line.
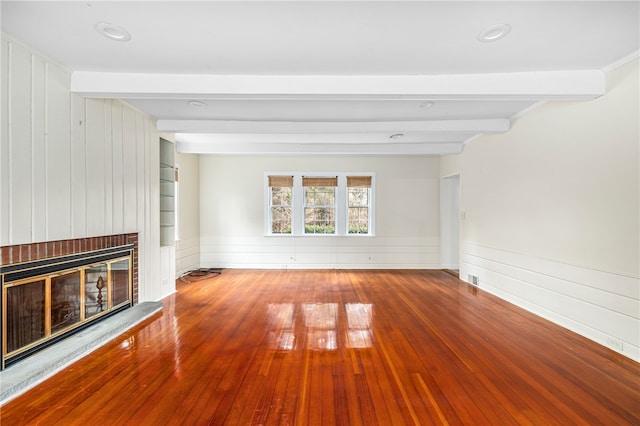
x,y
498,125
318,149
541,85
323,138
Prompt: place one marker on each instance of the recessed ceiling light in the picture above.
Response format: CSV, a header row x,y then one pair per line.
x,y
427,104
112,32
494,33
396,136
197,104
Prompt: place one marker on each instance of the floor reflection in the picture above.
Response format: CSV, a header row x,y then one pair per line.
x,y
319,325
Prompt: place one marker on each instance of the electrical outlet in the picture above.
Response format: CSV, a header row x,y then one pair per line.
x,y
473,279
614,343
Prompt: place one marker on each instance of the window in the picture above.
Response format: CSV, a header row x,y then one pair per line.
x,y
358,194
280,204
319,204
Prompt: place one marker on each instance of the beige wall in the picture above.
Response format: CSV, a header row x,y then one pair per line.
x,y
450,165
188,244
232,200
552,212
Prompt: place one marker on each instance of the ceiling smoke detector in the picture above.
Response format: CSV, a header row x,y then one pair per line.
x,y
494,33
112,32
197,104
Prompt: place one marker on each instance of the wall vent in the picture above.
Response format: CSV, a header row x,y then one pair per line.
x,y
474,280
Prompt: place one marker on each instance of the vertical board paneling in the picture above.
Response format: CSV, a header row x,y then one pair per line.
x,y
20,145
5,165
152,159
39,149
78,168
58,154
117,173
143,204
108,169
129,172
74,168
95,166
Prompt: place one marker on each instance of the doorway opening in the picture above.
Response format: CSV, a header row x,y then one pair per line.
x,y
450,224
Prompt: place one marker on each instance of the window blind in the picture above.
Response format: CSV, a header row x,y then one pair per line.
x,y
319,181
281,181
359,181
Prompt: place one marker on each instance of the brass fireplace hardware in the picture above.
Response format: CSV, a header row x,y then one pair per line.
x,y
44,301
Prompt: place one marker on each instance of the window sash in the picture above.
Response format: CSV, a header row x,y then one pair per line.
x,y
279,210
320,216
358,219
329,209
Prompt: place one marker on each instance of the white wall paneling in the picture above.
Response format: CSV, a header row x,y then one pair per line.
x,y
75,168
108,167
117,170
58,153
78,168
311,252
129,173
167,269
39,144
20,140
95,173
5,163
599,305
187,255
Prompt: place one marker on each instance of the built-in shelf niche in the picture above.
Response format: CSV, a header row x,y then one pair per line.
x,y
167,193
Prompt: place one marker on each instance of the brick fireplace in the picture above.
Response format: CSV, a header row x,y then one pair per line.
x,y
52,289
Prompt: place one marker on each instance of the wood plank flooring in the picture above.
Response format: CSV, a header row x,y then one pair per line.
x,y
338,348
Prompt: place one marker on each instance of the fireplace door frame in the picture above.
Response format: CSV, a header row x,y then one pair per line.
x,y
89,306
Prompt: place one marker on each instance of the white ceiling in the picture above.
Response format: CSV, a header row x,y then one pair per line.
x,y
331,77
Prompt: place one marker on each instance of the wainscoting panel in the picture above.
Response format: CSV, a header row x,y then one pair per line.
x,y
599,305
320,252
187,255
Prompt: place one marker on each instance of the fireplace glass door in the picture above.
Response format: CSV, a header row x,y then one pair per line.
x,y
95,290
25,314
65,301
47,306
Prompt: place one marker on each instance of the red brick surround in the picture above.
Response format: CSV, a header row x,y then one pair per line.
x,y
36,251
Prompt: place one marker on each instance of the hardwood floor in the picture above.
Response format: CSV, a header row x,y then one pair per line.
x,y
339,347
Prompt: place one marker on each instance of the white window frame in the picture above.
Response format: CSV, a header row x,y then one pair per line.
x,y
342,204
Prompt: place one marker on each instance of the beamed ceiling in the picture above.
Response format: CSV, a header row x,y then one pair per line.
x,y
342,77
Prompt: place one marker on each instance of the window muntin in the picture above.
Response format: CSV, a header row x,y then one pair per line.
x,y
340,205
281,204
